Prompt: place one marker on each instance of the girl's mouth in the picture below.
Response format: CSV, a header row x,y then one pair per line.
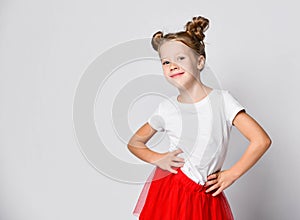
x,y
176,74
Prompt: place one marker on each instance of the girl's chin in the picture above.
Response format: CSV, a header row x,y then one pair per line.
x,y
183,84
178,84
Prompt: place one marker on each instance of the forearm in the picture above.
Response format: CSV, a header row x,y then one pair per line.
x,y
141,151
252,154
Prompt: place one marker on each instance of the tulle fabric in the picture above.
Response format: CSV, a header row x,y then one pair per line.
x,y
168,196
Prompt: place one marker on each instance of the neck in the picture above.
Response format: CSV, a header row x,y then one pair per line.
x,y
193,93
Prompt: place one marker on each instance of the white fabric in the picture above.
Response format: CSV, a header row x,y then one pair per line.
x,y
200,129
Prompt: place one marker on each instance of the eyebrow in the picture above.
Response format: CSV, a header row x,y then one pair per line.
x,y
180,53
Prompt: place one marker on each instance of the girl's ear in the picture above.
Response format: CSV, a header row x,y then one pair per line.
x,y
200,62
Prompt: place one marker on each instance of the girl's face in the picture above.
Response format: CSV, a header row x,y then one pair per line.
x,y
181,66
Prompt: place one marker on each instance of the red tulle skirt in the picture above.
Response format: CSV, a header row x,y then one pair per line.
x,y
168,196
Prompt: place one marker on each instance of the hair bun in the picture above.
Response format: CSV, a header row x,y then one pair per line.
x,y
197,27
156,39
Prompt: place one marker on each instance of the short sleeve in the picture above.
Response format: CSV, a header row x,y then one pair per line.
x,y
156,119
232,106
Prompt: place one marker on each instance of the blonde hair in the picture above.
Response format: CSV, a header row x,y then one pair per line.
x,y
193,36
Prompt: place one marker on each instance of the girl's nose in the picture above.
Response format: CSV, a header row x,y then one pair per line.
x,y
173,66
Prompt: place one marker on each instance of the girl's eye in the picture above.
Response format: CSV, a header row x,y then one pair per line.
x,y
166,62
181,58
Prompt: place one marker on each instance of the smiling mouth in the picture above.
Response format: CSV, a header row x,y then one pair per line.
x,y
177,74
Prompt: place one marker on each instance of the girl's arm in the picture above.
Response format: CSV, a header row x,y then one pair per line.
x,y
259,143
137,146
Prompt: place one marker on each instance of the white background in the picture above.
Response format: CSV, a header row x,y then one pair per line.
x,y
45,47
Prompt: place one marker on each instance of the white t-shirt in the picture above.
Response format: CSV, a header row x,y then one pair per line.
x,y
200,129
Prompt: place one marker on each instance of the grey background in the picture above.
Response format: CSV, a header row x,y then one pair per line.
x,y
45,47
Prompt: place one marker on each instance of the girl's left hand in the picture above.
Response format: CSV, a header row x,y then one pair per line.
x,y
220,181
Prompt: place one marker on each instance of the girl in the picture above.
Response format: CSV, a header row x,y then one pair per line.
x,y
198,123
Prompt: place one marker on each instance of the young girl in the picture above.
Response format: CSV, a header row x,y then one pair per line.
x,y
198,123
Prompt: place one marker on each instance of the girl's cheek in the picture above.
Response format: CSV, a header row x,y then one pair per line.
x,y
165,70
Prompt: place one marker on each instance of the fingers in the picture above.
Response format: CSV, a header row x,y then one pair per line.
x,y
178,151
211,182
178,159
218,191
217,188
214,184
170,160
176,164
172,170
212,176
213,187
219,181
211,179
175,158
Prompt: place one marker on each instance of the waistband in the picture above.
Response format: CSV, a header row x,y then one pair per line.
x,y
187,181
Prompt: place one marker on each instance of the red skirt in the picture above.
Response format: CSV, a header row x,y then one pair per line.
x,y
168,196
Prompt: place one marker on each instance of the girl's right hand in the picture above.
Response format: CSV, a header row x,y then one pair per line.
x,y
169,160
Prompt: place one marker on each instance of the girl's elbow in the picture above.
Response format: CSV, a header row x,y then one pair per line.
x,y
130,146
267,142
262,142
